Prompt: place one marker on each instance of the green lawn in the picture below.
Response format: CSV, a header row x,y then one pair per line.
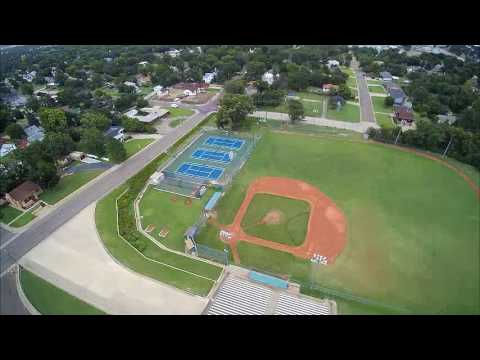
x,y
8,213
158,209
135,145
50,300
377,89
349,112
23,220
291,228
174,123
374,82
410,243
174,112
214,90
106,221
67,185
145,90
311,108
384,120
310,95
379,105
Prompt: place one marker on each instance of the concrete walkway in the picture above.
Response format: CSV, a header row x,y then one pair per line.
x,y
359,127
73,258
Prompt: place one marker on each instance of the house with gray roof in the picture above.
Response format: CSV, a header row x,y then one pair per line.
x,y
115,132
446,118
386,76
34,133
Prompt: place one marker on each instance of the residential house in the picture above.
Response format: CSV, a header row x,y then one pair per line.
x,y
143,63
143,79
24,195
29,76
333,63
116,132
396,93
403,114
386,76
448,118
326,88
152,114
191,88
269,77
6,149
172,52
132,84
34,133
209,77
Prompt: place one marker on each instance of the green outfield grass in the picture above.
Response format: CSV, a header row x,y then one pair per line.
x,y
51,300
157,208
384,120
23,220
135,145
410,243
379,105
67,185
376,89
349,112
292,227
8,213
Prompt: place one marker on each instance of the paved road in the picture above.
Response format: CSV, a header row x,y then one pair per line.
x,y
366,107
5,235
10,303
24,242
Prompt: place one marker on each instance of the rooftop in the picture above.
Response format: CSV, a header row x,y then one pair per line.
x,y
24,190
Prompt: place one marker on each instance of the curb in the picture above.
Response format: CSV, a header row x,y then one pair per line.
x,y
23,298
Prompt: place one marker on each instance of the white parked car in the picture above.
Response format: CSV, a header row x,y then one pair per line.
x,y
174,105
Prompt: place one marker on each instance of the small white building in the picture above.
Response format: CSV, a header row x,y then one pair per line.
x,y
333,63
132,84
143,63
269,77
173,53
209,77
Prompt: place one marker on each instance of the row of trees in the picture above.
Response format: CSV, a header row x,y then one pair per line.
x,y
464,145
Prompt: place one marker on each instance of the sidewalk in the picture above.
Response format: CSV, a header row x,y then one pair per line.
x,y
360,127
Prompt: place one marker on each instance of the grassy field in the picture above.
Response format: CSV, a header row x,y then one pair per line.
x,y
374,82
8,213
145,90
175,122
213,90
377,89
379,105
157,208
292,226
174,112
349,112
311,108
384,120
164,266
135,145
410,243
23,220
50,300
67,185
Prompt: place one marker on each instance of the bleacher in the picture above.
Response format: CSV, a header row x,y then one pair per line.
x,y
292,305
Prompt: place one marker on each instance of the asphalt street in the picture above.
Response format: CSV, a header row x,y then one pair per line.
x,y
10,303
366,107
40,230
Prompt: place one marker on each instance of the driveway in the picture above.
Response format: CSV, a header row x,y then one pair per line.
x,y
10,303
89,166
81,266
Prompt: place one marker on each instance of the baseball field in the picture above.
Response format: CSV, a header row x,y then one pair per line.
x,y
412,224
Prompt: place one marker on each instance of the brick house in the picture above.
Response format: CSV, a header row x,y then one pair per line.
x,y
24,195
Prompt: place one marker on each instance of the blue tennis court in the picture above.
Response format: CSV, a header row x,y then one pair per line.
x,y
231,143
200,171
220,156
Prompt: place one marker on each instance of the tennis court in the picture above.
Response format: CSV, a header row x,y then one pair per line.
x,y
211,155
200,171
230,143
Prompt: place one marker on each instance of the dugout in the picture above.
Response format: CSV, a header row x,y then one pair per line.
x,y
212,202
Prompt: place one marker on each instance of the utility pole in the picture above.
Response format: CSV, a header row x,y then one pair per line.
x,y
448,147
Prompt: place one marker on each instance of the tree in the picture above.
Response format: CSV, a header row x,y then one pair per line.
x,y
299,80
234,87
389,101
58,145
95,119
53,119
296,111
255,70
26,88
15,131
234,110
92,141
116,151
141,103
45,174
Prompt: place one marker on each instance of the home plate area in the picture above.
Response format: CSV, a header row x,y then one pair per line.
x,y
238,295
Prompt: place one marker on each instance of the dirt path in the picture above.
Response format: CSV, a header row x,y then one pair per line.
x,y
326,231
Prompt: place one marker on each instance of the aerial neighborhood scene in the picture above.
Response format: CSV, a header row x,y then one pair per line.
x,y
240,180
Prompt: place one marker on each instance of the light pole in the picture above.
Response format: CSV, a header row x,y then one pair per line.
x,y
448,147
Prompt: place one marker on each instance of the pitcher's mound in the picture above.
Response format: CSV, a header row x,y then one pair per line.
x,y
273,217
